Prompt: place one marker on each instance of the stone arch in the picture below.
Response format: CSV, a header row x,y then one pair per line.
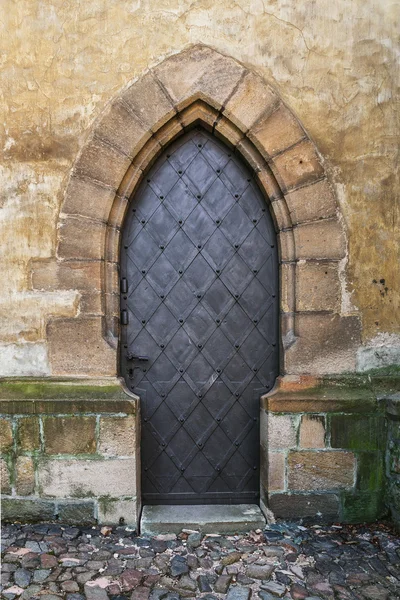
x,y
198,85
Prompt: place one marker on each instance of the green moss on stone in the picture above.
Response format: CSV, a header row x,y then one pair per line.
x,y
370,471
66,407
106,503
388,371
18,389
74,513
358,432
26,511
362,507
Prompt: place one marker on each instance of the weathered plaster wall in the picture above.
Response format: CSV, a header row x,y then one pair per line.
x,y
336,65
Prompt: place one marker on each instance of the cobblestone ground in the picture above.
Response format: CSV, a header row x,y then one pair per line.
x,y
49,562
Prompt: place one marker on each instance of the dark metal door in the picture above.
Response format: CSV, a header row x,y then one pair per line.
x,y
199,300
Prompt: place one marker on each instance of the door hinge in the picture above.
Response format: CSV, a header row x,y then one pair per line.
x,y
124,317
124,285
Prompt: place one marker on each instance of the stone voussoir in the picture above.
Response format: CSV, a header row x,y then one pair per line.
x,y
276,131
297,166
206,75
251,99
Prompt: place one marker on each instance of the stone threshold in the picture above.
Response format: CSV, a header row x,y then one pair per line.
x,y
209,518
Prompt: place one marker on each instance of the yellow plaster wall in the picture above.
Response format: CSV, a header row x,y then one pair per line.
x,y
336,64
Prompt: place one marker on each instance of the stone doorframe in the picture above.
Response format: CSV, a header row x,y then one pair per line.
x,y
197,86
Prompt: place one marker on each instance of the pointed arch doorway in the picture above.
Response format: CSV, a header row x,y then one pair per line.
x,y
199,301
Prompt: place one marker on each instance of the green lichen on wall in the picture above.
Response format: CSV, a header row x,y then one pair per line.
x,y
47,389
106,503
362,507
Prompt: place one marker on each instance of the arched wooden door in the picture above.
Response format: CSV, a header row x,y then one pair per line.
x,y
199,308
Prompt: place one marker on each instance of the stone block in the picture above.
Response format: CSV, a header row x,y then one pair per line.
x,y
149,102
118,436
5,481
295,506
26,511
102,163
370,471
166,135
287,251
322,239
69,435
297,166
325,343
250,155
223,519
280,214
251,99
199,112
199,72
81,239
131,178
281,431
362,507
84,276
6,436
88,478
287,286
269,183
88,198
77,347
112,511
321,470
121,128
317,287
312,202
276,132
74,513
28,434
276,471
113,241
358,432
24,476
227,132
312,431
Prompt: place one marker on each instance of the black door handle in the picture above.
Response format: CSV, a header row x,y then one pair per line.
x,y
131,356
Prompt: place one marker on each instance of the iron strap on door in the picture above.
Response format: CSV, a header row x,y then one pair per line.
x,y
199,310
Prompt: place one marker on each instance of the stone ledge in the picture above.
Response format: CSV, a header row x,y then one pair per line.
x,y
65,396
322,400
62,388
57,407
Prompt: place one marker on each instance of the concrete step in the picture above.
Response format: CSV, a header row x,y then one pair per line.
x,y
210,518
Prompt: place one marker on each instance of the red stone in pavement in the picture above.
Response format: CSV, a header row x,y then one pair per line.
x,y
70,586
113,589
298,592
151,580
141,593
48,561
130,579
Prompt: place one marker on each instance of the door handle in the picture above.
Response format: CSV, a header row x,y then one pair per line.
x,y
131,356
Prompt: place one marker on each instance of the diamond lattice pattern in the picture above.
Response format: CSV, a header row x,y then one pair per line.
x,y
201,263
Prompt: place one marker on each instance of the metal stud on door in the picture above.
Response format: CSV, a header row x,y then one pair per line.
x,y
199,321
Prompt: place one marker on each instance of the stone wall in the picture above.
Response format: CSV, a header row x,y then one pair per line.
x,y
74,459
323,453
91,93
333,64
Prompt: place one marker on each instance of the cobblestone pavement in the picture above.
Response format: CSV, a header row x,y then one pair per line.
x,y
49,562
